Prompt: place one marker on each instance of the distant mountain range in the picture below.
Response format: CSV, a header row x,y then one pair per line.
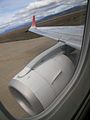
x,y
76,8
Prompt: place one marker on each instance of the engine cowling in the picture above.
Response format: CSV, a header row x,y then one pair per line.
x,y
36,89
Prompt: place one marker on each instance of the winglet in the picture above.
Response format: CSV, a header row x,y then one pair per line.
x,y
33,22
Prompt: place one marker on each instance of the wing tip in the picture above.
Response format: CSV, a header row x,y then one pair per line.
x,y
33,22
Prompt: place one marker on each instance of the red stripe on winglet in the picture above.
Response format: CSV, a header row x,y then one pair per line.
x,y
33,22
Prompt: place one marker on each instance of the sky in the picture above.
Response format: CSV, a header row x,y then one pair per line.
x,y
16,12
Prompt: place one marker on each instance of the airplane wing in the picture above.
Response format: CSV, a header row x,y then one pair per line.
x,y
70,35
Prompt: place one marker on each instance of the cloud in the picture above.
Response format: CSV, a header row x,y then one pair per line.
x,y
46,7
38,4
24,12
40,8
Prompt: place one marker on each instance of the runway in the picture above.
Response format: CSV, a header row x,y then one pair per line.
x,y
14,56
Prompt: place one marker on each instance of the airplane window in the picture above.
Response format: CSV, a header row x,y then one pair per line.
x,y
40,45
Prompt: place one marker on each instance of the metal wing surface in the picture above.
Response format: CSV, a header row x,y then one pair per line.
x,y
70,35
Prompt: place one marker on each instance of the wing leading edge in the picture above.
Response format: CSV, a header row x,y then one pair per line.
x,y
70,35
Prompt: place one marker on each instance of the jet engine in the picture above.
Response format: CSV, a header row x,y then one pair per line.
x,y
36,88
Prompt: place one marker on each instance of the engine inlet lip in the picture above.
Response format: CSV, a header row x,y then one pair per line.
x,y
25,97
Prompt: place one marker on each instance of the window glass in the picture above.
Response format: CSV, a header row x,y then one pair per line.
x,y
18,46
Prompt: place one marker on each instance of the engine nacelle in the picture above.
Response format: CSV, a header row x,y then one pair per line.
x,y
35,89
